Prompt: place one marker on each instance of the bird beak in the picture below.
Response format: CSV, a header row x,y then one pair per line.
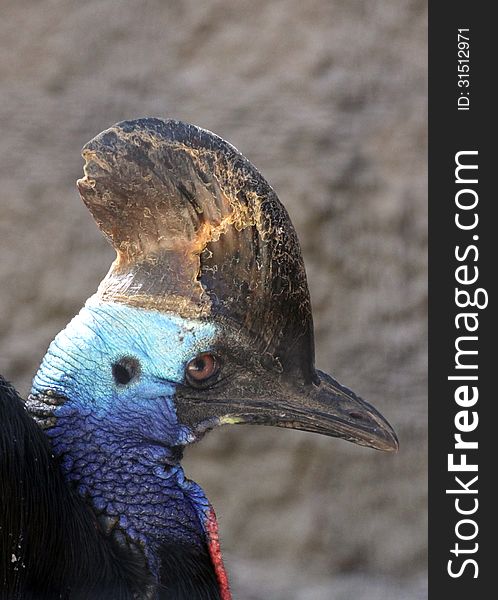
x,y
324,407
327,408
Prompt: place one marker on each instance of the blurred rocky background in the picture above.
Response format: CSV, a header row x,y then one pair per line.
x,y
328,99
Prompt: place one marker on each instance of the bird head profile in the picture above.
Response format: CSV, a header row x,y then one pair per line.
x,y
204,319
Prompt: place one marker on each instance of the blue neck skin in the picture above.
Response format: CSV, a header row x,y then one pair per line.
x,y
118,443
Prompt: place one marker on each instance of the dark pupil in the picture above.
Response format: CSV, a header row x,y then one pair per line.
x,y
124,370
199,364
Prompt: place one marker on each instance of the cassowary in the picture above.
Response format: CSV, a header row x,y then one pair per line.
x,y
204,319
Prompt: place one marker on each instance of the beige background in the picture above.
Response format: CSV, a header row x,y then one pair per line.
x,y
328,99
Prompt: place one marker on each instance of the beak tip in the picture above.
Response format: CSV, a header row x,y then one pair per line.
x,y
393,447
390,442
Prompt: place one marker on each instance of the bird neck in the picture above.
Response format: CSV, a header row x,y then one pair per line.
x,y
142,500
143,504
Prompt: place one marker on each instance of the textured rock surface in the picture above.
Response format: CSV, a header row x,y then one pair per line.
x,y
328,99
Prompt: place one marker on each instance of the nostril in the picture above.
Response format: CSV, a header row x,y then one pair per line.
x,y
356,415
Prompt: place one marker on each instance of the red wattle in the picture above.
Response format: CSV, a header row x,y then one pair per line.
x,y
215,554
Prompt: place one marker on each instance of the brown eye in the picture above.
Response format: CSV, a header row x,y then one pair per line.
x,y
201,368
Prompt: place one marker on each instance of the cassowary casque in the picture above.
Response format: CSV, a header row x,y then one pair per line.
x,y
204,319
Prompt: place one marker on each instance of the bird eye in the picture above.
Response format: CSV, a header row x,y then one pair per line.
x,y
201,368
125,369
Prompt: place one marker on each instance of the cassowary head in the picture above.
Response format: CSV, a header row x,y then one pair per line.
x,y
204,318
